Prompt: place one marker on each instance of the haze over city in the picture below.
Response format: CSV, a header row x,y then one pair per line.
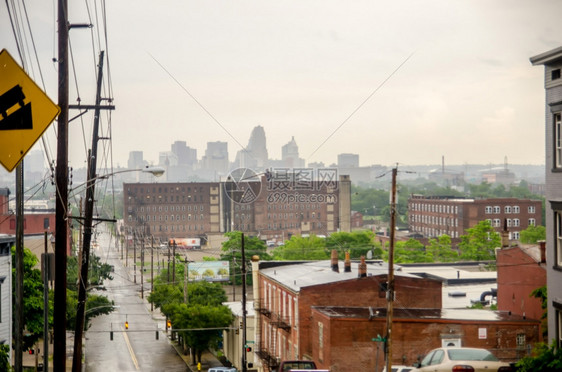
x,y
406,82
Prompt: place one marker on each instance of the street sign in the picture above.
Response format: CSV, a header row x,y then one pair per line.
x,y
25,112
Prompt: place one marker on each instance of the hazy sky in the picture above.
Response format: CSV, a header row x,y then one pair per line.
x,y
460,83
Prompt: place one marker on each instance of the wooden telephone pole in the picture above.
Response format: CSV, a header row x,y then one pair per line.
x,y
390,284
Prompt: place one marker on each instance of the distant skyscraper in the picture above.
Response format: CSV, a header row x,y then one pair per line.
x,y
136,160
348,160
255,154
290,155
216,157
185,154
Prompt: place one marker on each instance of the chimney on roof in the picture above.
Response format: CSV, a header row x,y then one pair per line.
x,y
362,268
335,266
347,263
505,235
542,247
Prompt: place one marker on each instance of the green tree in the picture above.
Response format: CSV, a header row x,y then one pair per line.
x,y
232,249
96,305
302,248
480,242
440,250
357,243
33,298
541,294
545,359
97,272
533,234
4,355
410,251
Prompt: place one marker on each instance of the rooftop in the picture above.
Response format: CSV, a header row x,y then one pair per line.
x,y
402,313
297,275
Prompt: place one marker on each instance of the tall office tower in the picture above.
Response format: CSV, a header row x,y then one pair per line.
x,y
216,156
290,155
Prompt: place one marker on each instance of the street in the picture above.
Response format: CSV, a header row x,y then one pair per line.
x,y
134,349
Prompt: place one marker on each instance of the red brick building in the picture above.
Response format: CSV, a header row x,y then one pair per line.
x,y
34,221
286,292
343,336
435,216
272,209
521,270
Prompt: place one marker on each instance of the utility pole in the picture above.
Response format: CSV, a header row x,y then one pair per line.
x,y
390,284
152,270
174,262
243,253
169,245
135,256
88,221
185,282
18,365
46,274
61,226
142,267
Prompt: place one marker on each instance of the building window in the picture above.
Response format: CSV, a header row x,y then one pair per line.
x,y
488,210
516,209
557,141
516,235
520,340
516,222
497,209
531,222
507,209
497,222
558,217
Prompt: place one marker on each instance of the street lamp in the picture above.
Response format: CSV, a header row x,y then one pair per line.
x,y
83,277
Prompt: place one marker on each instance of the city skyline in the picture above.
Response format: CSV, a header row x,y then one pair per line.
x,y
400,83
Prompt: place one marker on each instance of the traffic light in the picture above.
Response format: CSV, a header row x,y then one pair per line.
x,y
248,348
31,351
169,323
126,325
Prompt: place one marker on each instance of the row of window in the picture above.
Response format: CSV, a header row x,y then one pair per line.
x,y
275,226
194,227
433,233
436,208
171,208
496,222
171,199
160,217
507,209
287,206
164,189
434,220
291,216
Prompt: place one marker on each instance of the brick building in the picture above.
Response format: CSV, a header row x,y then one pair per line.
x,y
35,221
344,335
273,209
521,270
435,216
286,292
308,310
552,62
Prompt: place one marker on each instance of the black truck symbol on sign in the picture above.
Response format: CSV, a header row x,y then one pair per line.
x,y
21,117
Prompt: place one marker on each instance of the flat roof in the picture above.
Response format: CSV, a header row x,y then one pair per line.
x,y
476,315
311,273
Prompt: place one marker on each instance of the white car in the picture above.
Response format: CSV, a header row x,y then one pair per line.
x,y
400,369
222,369
461,359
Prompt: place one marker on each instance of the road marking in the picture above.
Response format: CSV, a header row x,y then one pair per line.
x,y
133,357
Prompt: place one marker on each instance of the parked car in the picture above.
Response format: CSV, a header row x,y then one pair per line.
x,y
461,359
287,365
399,369
222,369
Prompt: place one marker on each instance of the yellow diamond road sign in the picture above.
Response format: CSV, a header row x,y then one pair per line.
x,y
25,112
